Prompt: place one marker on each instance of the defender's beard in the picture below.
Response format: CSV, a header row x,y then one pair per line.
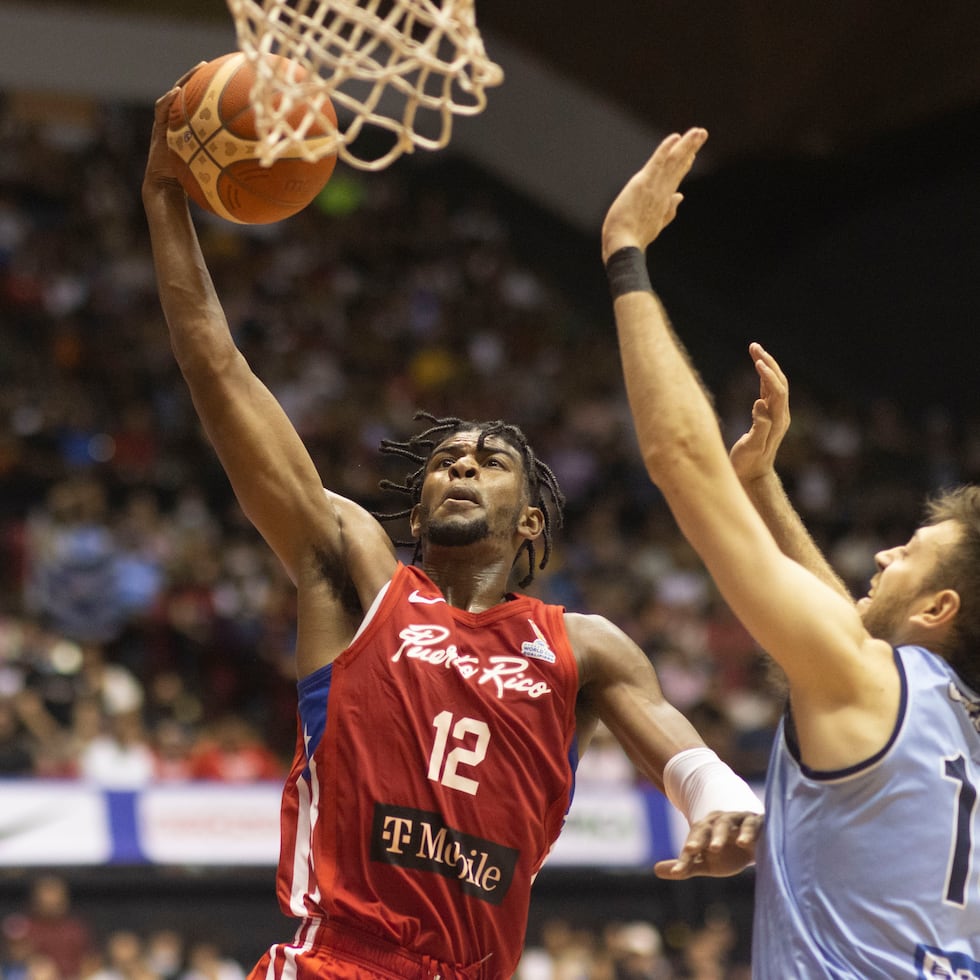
x,y
884,617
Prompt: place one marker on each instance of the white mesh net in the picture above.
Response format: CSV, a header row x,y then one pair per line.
x,y
395,71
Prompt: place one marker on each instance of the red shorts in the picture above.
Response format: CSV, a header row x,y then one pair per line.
x,y
324,951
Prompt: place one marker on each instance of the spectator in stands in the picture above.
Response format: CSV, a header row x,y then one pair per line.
x,y
116,350
707,952
124,958
637,952
16,746
172,745
119,758
73,577
115,686
16,949
42,967
205,961
81,337
233,753
565,953
165,953
54,930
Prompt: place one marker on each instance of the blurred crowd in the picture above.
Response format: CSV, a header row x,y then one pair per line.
x,y
50,938
146,632
636,950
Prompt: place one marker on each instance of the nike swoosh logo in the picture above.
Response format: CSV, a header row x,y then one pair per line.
x,y
425,600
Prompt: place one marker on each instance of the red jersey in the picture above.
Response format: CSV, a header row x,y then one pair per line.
x,y
434,769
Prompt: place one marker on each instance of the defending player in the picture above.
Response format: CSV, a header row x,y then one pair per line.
x,y
869,862
440,713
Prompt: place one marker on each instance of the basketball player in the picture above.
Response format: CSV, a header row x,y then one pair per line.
x,y
869,867
440,713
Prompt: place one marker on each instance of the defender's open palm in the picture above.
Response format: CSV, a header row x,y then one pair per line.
x,y
649,201
754,454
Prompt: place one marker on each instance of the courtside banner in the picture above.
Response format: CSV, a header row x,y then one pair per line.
x,y
203,824
54,823
196,823
608,827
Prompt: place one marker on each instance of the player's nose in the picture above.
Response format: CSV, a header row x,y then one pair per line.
x,y
884,558
465,466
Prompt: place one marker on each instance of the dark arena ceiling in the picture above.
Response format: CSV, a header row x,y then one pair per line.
x,y
766,78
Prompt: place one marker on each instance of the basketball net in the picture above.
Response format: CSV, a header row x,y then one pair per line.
x,y
390,65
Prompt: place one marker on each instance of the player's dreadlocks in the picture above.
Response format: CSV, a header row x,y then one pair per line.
x,y
538,475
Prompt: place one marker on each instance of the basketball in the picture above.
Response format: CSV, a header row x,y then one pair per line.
x,y
212,133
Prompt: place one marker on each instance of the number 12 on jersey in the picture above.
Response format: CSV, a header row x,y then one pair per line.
x,y
443,767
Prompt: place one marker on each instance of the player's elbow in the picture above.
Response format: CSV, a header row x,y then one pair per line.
x,y
206,358
679,463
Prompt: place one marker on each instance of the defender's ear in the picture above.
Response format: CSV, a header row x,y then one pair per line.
x,y
939,610
415,522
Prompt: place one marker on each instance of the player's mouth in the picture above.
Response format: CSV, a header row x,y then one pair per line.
x,y
462,495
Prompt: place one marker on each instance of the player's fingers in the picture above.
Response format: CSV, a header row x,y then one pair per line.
x,y
671,870
685,865
748,832
760,413
187,74
771,379
773,385
723,830
757,437
692,140
676,152
675,203
664,147
771,362
658,159
161,108
694,847
765,365
690,143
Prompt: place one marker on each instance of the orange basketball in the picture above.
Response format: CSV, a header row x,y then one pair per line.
x,y
212,133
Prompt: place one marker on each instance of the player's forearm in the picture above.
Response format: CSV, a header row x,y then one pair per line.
x,y
769,497
198,329
675,422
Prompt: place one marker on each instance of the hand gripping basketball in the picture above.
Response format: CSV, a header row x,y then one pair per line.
x,y
212,134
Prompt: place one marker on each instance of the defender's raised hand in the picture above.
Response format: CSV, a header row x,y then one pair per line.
x,y
754,454
649,201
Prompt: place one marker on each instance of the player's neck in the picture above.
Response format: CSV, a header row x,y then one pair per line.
x,y
464,583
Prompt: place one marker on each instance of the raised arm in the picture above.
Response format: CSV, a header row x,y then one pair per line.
x,y
842,685
754,458
324,541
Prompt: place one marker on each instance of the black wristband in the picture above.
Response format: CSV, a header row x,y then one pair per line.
x,y
627,272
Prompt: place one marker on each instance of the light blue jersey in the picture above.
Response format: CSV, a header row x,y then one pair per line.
x,y
873,872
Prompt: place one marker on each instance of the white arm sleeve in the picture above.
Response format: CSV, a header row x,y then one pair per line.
x,y
697,782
